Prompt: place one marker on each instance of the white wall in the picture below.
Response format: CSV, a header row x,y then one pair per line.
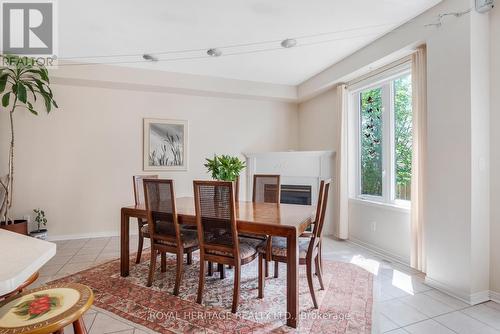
x,y
317,119
77,163
480,152
457,205
448,186
495,151
317,131
169,82
383,229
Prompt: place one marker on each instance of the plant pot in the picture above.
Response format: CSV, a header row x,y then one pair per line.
x,y
236,189
19,226
39,234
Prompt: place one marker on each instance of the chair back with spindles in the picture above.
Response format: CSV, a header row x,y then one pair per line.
x,y
161,210
320,212
266,188
139,188
216,217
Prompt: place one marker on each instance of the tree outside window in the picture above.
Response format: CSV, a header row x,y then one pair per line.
x,y
371,142
386,139
403,136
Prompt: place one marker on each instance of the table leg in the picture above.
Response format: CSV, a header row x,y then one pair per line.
x,y
124,245
79,327
291,279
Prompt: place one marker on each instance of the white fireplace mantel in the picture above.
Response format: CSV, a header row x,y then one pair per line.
x,y
294,167
291,154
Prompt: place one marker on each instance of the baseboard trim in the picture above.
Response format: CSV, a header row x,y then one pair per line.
x,y
471,299
103,234
379,251
479,297
495,296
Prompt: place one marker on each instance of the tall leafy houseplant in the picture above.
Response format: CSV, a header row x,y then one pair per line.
x,y
24,84
225,167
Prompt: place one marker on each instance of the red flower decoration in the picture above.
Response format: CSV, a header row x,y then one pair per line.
x,y
36,307
40,305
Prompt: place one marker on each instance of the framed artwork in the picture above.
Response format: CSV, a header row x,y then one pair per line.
x,y
165,144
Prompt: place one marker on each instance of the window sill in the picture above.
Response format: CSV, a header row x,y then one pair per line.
x,y
377,204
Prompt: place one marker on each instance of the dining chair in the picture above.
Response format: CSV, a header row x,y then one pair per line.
x,y
309,247
266,189
164,230
218,233
220,267
139,200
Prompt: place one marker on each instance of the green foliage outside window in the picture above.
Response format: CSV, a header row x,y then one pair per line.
x,y
371,142
371,139
403,136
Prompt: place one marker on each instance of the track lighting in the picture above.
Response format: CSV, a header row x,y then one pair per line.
x,y
289,43
149,57
214,52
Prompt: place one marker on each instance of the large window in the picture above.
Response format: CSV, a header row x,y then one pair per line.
x,y
385,139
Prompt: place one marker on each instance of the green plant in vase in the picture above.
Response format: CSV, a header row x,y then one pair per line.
x,y
225,167
41,221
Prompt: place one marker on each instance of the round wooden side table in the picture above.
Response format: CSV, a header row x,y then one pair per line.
x,y
46,309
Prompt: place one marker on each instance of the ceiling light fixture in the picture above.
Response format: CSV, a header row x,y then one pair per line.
x,y
214,52
149,57
288,43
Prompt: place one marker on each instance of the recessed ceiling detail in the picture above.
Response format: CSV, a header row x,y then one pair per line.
x,y
252,32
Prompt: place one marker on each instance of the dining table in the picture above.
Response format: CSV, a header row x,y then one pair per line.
x,y
284,220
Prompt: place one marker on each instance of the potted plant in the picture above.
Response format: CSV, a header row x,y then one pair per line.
x,y
24,84
40,220
226,168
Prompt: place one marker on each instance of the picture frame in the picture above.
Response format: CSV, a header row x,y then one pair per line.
x,y
165,145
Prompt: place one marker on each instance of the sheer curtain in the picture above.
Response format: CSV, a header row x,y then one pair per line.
x,y
341,180
419,98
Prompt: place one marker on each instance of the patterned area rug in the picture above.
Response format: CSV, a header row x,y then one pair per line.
x,y
345,306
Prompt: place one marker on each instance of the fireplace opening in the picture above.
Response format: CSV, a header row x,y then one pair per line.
x,y
295,194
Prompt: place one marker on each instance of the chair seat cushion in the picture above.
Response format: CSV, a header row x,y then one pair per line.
x,y
145,231
248,248
278,246
189,238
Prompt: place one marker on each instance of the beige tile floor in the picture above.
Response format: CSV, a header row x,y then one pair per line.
x,y
402,302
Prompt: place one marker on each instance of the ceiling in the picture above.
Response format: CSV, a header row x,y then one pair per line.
x,y
130,28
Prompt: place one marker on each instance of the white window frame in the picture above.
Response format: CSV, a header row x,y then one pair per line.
x,y
384,81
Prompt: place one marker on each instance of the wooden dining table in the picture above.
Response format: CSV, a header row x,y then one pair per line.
x,y
284,220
